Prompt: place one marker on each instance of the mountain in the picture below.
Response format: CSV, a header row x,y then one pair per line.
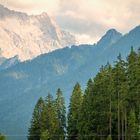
x,y
29,36
111,37
6,63
22,84
2,59
128,40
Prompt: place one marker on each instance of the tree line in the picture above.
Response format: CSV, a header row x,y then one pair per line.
x,y
108,109
49,119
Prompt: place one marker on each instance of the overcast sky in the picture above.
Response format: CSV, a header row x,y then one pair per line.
x,y
87,19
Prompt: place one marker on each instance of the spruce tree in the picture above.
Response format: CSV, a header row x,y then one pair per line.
x,y
52,122
121,89
73,113
133,72
133,76
86,125
37,126
103,92
61,113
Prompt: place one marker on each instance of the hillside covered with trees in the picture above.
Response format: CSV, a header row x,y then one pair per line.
x,y
108,109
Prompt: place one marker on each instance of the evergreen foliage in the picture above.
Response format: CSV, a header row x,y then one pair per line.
x,y
48,120
61,113
108,109
73,114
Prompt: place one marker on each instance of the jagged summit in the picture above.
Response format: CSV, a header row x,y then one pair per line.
x,y
30,35
5,12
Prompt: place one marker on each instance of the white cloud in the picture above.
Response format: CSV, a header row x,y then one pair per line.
x,y
33,6
88,18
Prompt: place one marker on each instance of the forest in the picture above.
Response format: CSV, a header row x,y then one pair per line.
x,y
108,109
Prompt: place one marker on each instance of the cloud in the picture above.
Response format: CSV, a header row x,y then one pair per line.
x,y
87,19
32,6
94,17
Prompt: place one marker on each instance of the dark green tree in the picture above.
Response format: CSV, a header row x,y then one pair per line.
x,y
73,113
37,126
86,125
133,77
133,72
96,111
61,113
52,121
121,89
103,96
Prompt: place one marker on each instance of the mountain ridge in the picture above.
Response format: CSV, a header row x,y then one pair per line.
x,y
30,35
109,38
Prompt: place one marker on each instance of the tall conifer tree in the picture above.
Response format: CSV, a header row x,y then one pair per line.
x,y
36,123
73,114
61,113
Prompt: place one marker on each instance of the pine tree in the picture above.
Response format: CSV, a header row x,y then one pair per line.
x,y
134,86
96,111
108,86
121,88
133,78
73,114
61,113
103,90
52,122
101,104
37,126
86,114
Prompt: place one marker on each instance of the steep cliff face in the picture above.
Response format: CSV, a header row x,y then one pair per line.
x,y
29,36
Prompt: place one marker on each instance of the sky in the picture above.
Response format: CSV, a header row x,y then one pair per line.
x,y
88,20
